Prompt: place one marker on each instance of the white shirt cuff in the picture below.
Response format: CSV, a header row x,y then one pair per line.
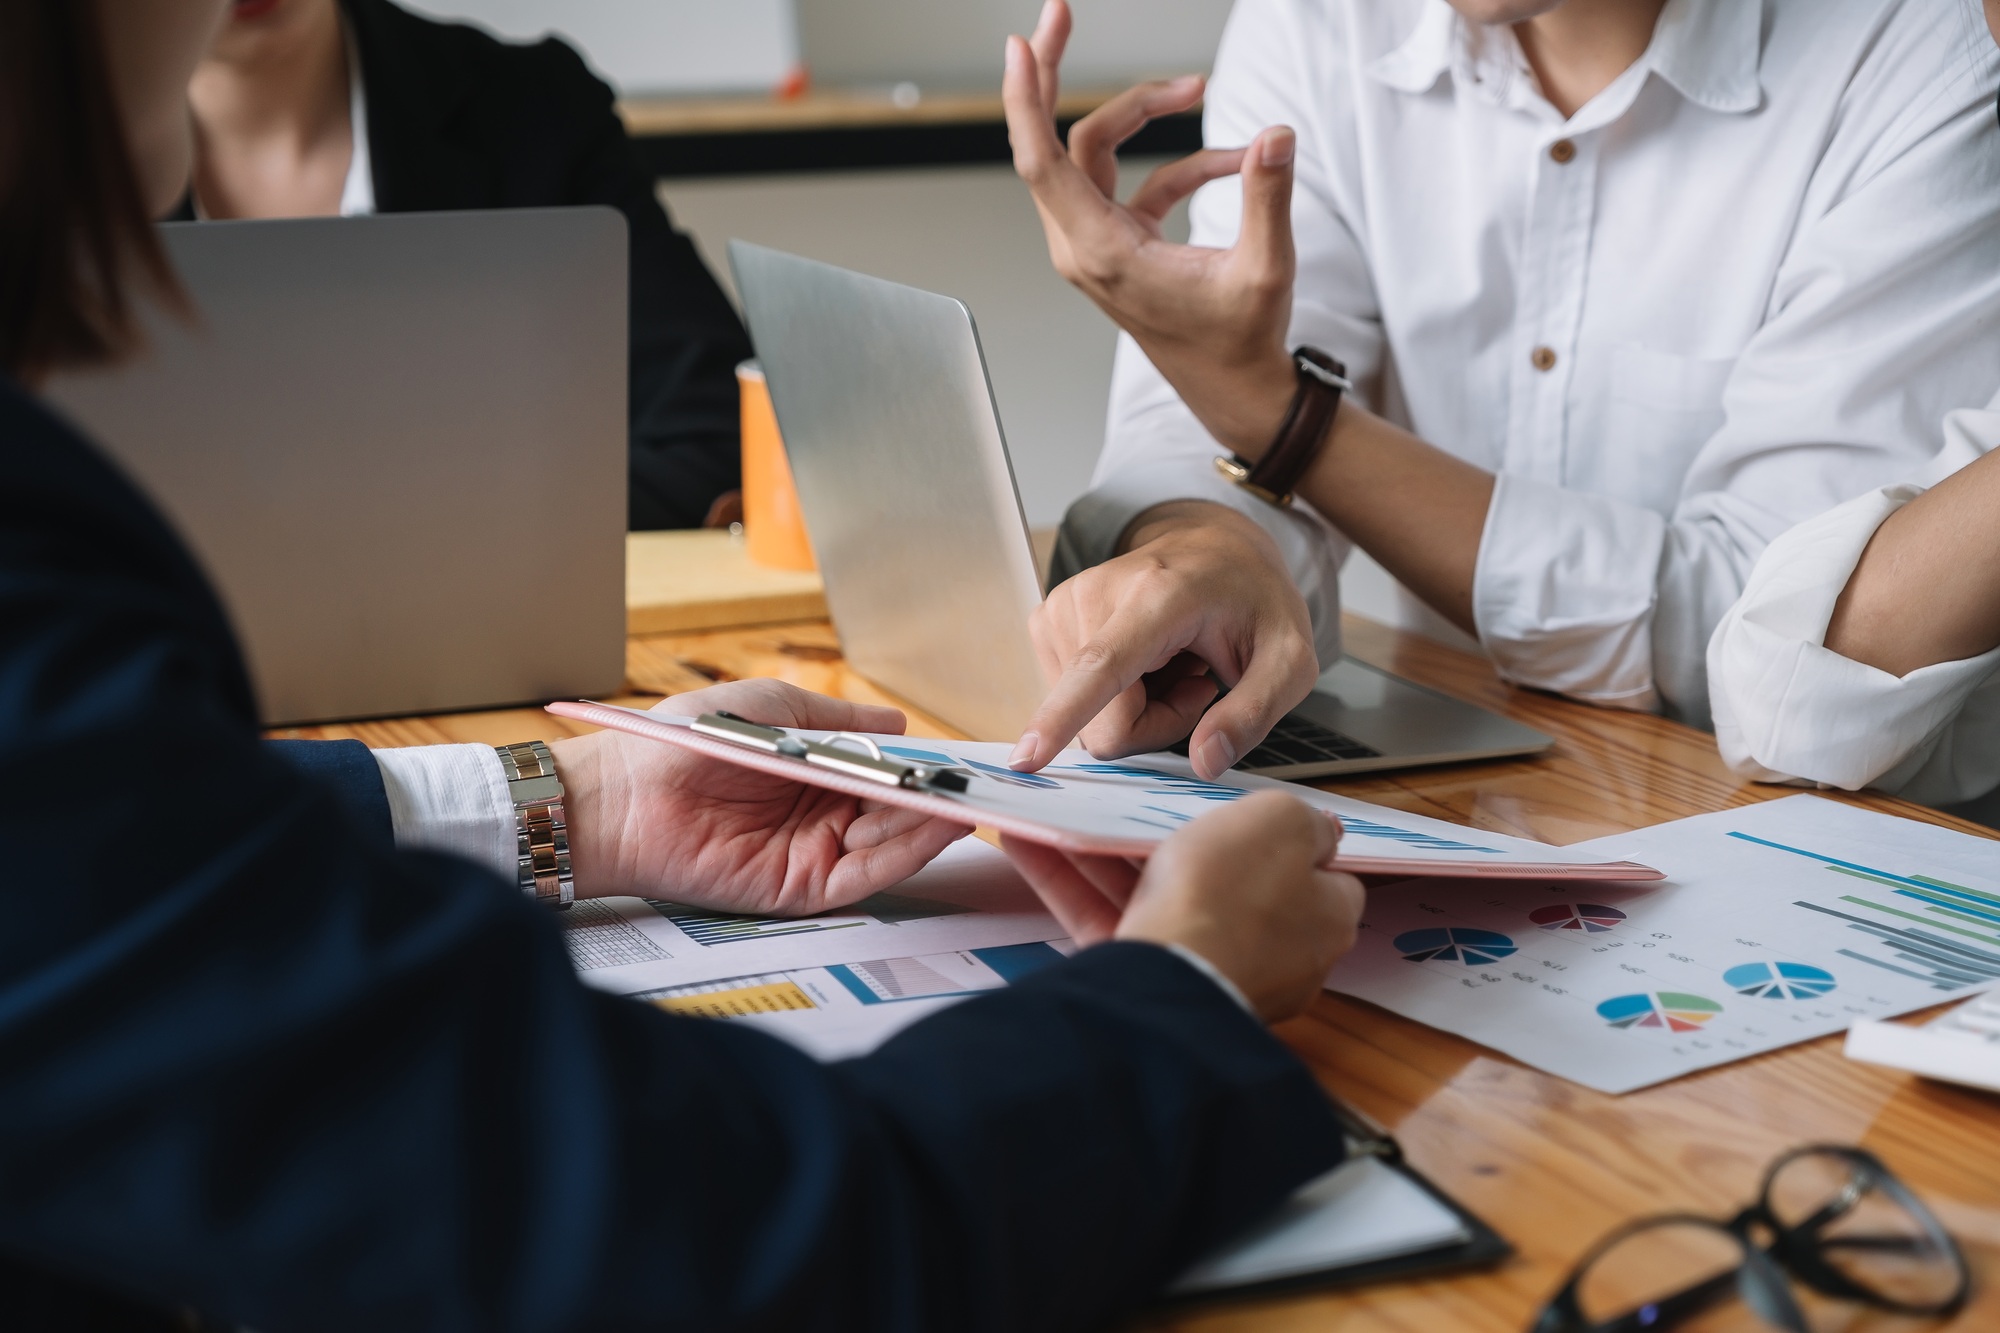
x,y
1213,973
1564,590
451,798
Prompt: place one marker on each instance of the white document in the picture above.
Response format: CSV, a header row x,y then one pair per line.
x,y
848,1009
1126,807
970,897
1361,1211
1777,923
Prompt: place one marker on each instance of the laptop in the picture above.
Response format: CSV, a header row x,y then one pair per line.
x,y
397,444
908,493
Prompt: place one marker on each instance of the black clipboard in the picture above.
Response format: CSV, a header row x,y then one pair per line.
x,y
1484,1247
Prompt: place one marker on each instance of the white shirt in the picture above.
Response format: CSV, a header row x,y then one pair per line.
x,y
357,192
1771,265
1789,709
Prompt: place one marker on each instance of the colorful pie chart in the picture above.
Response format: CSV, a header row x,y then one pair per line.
x,y
1779,981
1454,944
1674,1010
1589,917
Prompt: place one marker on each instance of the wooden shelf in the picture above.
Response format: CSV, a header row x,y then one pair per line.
x,y
831,109
855,129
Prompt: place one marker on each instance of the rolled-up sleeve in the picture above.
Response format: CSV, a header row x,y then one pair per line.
x,y
1880,323
1789,709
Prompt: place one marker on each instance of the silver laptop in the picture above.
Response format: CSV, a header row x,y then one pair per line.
x,y
397,444
894,440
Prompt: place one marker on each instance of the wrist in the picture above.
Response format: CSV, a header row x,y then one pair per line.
x,y
1255,412
1196,520
591,800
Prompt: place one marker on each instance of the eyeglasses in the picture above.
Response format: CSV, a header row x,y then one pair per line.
x,y
1834,1218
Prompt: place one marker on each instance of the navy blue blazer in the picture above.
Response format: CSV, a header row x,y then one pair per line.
x,y
257,1063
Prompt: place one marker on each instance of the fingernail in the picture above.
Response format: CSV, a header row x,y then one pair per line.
x,y
1278,147
1217,754
1024,751
1013,54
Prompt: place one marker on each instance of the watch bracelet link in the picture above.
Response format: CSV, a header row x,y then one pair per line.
x,y
541,826
1272,478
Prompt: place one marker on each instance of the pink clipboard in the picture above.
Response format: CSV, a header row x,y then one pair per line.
x,y
965,811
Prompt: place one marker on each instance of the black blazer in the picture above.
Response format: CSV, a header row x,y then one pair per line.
x,y
458,120
256,1062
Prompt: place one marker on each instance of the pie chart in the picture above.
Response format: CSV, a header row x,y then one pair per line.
x,y
1592,918
1676,1011
1779,981
1453,944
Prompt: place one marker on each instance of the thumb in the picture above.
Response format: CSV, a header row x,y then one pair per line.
x,y
1326,838
1264,247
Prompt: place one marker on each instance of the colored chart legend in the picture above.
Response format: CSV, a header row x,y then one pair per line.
x,y
1675,1011
1454,944
1779,981
1593,918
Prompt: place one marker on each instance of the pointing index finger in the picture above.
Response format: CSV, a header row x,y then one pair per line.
x,y
1104,668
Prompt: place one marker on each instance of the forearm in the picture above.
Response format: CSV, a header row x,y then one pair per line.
x,y
1416,509
1927,588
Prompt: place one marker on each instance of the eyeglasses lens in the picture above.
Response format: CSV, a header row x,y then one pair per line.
x,y
1863,1231
1677,1274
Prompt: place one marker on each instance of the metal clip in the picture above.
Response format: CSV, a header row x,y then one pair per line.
x,y
834,753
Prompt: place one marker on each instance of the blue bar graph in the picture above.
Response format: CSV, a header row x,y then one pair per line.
x,y
1937,943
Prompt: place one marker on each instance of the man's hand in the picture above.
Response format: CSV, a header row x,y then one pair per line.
x,y
653,819
1246,887
1134,646
1212,321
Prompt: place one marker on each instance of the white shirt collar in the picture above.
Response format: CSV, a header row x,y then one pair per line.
x,y
1707,50
357,193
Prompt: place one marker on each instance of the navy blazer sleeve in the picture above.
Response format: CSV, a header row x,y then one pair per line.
x,y
256,1062
347,769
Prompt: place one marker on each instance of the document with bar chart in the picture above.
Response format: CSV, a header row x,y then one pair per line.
x,y
968,898
1776,923
848,1009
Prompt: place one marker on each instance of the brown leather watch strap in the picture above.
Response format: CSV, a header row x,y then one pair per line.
x,y
1276,475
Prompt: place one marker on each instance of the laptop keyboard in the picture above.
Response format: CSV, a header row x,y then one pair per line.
x,y
1296,740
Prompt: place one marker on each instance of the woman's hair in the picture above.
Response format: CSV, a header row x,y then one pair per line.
x,y
76,242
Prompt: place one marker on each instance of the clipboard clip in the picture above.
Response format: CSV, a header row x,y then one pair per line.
x,y
856,755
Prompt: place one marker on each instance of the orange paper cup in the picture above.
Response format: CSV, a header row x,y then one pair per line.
x,y
773,528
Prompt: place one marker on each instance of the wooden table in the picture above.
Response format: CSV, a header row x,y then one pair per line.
x,y
1551,1165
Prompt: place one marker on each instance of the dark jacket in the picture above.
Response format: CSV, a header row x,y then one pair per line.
x,y
256,1062
458,120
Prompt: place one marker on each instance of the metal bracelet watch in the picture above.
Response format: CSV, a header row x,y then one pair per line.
x,y
541,828
1274,476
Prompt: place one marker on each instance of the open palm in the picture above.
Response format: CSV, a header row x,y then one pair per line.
x,y
663,822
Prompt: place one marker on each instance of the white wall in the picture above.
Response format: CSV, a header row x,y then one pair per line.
x,y
646,46
711,45
969,232
957,42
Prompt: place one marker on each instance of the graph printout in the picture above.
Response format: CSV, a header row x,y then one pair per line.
x,y
1127,806
969,898
1776,923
